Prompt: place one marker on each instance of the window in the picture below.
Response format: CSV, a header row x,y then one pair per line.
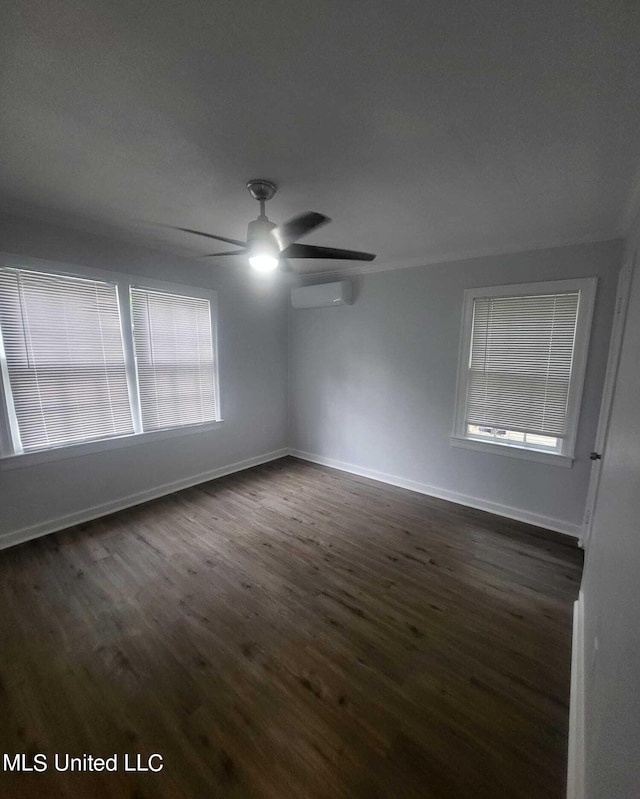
x,y
174,358
86,359
522,363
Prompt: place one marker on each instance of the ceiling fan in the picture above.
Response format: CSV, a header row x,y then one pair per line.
x,y
269,245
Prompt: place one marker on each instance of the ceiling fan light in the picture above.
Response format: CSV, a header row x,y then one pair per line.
x,y
263,262
263,250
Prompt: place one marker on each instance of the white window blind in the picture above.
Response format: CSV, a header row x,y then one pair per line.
x,y
174,358
64,357
520,362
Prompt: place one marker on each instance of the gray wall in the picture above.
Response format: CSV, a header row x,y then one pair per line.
x,y
611,586
252,345
372,385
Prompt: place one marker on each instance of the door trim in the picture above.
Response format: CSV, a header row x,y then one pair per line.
x,y
608,390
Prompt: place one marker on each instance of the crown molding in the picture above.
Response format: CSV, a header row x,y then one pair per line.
x,y
464,255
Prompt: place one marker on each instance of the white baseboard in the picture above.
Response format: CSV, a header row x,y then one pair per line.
x,y
94,512
536,519
576,760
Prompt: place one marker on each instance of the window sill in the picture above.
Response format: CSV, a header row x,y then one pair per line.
x,y
8,462
511,451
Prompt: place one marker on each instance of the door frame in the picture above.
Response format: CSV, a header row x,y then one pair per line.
x,y
608,390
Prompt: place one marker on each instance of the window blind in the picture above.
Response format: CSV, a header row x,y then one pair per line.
x,y
520,362
174,358
64,355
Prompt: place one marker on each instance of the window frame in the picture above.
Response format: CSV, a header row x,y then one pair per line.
x,y
124,281
565,454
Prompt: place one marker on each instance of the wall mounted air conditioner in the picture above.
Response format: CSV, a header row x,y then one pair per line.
x,y
322,295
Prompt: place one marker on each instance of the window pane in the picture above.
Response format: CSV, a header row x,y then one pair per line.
x,y
480,430
542,441
512,437
174,358
65,358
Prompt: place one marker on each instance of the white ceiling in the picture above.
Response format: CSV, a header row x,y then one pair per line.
x,y
426,130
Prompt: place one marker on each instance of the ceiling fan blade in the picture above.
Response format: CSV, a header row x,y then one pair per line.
x,y
311,251
209,235
229,252
284,265
298,227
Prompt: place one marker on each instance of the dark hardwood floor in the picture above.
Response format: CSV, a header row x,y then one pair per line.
x,y
291,632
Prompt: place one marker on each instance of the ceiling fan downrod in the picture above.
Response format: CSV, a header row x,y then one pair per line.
x,y
261,190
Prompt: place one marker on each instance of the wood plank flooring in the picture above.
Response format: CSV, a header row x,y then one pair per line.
x,y
291,632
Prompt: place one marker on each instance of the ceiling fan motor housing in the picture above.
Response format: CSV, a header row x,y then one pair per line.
x,y
259,236
260,229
